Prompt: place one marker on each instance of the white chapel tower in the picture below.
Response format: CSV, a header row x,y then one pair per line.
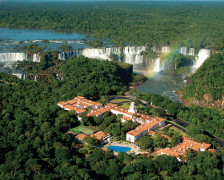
x,y
132,108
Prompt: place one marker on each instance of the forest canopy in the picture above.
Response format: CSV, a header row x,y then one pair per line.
x,y
33,144
208,79
141,23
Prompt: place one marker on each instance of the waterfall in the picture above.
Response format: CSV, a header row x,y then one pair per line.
x,y
13,57
165,49
191,52
162,67
69,54
24,76
36,57
101,54
18,75
156,65
154,49
131,54
183,50
202,56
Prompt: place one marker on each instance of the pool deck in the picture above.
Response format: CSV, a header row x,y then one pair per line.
x,y
134,149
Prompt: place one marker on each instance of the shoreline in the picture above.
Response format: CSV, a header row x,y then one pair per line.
x,y
180,95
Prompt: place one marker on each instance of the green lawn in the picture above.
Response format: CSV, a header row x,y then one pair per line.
x,y
116,101
83,129
178,131
125,105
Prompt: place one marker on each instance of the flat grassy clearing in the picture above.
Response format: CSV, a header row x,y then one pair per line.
x,y
125,105
178,131
83,129
116,101
141,106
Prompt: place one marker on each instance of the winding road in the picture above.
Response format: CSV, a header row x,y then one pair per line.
x,y
183,124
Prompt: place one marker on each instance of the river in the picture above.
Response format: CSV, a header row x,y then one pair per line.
x,y
10,38
163,85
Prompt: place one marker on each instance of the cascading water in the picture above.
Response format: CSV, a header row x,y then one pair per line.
x,y
154,49
131,54
165,49
69,54
102,54
183,50
202,56
36,57
24,77
191,52
10,58
18,75
156,66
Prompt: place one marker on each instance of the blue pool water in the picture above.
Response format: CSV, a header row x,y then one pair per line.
x,y
119,148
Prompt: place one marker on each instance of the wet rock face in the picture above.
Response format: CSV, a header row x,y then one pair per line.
x,y
207,101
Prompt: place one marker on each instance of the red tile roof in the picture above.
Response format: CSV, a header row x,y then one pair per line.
x,y
98,112
212,150
72,104
79,97
119,109
81,136
142,128
62,103
100,135
165,136
169,152
152,133
126,118
181,148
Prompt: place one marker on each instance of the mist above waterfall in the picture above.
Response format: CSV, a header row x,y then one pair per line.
x,y
202,56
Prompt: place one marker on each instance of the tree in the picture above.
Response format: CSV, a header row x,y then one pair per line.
x,y
145,142
193,130
173,108
91,140
65,47
176,139
167,163
160,141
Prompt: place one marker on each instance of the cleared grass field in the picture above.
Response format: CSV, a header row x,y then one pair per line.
x,y
125,105
116,101
83,129
178,131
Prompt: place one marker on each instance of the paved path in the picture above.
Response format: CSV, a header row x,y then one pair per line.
x,y
182,122
179,127
220,141
185,124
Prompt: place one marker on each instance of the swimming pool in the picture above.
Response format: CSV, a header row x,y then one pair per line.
x,y
119,148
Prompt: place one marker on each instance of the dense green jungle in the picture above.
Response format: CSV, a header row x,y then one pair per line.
x,y
33,139
143,23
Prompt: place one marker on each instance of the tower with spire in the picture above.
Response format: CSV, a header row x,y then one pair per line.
x,y
132,108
